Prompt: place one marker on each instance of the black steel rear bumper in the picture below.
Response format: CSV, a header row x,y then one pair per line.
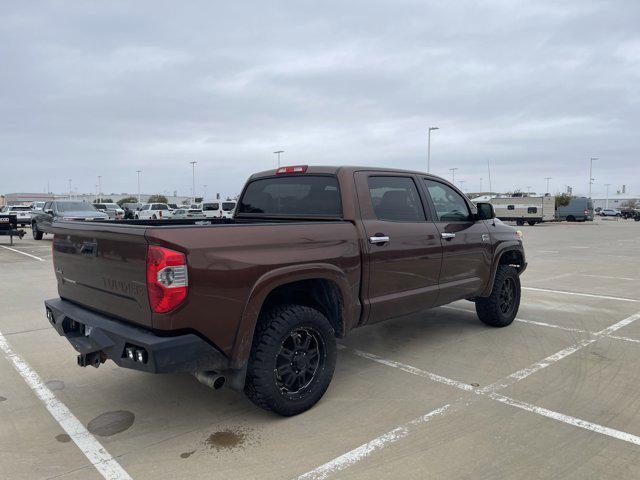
x,y
98,337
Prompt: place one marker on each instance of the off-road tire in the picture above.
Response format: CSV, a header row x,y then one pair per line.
x,y
531,222
37,234
571,218
491,309
272,331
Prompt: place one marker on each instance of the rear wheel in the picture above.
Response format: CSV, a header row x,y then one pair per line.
x,y
292,359
154,217
37,234
531,222
571,218
500,308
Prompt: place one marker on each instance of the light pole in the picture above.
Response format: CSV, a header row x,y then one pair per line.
x,y
591,160
100,188
528,189
278,152
480,185
429,148
461,182
70,192
547,179
193,180
453,175
138,172
204,195
606,204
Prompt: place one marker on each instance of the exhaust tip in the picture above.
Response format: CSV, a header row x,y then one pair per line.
x,y
219,383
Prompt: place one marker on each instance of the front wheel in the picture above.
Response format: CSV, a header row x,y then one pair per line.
x,y
500,308
154,217
531,222
292,359
519,222
37,234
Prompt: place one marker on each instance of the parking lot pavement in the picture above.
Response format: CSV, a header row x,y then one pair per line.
x,y
438,394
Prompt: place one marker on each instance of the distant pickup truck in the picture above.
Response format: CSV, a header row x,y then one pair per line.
x,y
258,300
62,210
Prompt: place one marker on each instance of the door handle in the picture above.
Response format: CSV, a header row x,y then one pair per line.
x,y
379,239
448,236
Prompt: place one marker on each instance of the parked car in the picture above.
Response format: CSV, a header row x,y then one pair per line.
x,y
153,211
627,212
67,210
219,208
580,209
130,209
22,213
185,213
608,212
257,301
112,209
173,206
37,206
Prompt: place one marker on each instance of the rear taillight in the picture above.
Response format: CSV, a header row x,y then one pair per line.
x,y
586,212
167,278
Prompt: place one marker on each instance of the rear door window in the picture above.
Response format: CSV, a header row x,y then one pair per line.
x,y
208,207
296,195
396,199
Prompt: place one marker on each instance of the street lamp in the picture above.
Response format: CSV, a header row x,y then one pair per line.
x,y
429,148
278,152
591,160
606,205
70,192
461,182
547,179
100,188
204,195
481,185
193,180
453,175
138,172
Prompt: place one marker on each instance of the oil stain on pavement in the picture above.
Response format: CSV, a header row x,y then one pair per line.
x,y
63,438
2,399
110,423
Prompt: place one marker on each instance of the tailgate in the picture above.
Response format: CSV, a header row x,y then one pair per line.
x,y
103,267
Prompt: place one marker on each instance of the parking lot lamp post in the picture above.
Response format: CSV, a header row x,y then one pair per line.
x,y
204,194
591,160
100,188
70,192
547,179
138,172
429,147
193,180
278,152
453,174
606,203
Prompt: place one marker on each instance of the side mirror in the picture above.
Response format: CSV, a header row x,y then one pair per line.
x,y
48,211
485,211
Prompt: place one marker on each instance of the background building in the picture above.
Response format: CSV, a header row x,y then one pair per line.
x,y
24,197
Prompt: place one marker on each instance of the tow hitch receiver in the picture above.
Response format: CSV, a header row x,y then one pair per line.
x,y
94,359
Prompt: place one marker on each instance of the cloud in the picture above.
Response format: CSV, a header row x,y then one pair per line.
x,y
106,89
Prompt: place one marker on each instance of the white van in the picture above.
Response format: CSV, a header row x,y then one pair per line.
x,y
219,208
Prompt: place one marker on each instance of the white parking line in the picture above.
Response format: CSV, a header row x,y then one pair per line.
x,y
24,253
357,454
576,422
489,391
103,462
563,292
608,277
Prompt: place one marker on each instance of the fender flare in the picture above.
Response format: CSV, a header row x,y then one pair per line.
x,y
501,249
281,276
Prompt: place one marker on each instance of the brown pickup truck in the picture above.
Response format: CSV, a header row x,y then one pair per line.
x,y
258,300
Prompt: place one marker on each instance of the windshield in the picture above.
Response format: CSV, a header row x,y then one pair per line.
x,y
310,195
20,209
207,207
75,207
228,206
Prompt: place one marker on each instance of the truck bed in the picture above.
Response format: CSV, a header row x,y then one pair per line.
x,y
101,265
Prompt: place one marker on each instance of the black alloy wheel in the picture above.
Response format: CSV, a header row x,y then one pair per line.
x,y
302,355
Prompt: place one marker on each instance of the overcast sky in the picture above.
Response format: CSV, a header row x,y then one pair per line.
x,y
106,88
